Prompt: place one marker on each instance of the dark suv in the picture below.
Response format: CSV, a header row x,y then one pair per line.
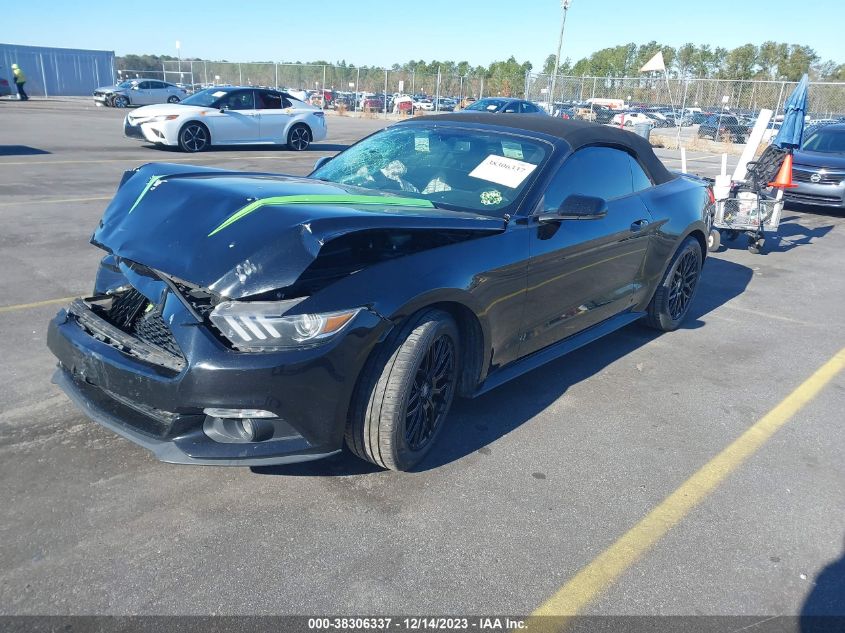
x,y
723,127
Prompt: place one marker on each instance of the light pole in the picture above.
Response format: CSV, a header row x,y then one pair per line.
x,y
564,4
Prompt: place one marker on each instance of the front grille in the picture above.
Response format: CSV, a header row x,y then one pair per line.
x,y
133,313
125,307
150,327
825,177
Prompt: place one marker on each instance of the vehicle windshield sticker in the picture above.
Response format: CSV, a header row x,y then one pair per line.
x,y
494,196
421,143
503,171
462,146
219,93
512,150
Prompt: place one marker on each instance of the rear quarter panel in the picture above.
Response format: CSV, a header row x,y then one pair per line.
x,y
678,208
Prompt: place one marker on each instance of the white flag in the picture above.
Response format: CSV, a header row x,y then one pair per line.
x,y
655,63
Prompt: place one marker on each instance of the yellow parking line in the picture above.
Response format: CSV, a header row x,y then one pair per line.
x,y
36,304
608,566
53,200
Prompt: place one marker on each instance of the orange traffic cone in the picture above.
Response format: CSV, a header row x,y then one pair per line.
x,y
784,178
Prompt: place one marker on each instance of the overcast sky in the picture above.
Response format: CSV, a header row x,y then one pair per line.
x,y
383,32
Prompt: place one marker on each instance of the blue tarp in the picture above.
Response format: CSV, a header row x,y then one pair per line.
x,y
794,110
58,71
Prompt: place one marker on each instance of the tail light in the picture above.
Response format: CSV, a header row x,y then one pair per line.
x,y
710,196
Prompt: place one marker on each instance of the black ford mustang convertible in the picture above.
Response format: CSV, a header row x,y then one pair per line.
x,y
253,318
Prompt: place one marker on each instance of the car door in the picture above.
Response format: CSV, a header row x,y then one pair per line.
x,y
237,121
141,93
582,272
158,92
275,112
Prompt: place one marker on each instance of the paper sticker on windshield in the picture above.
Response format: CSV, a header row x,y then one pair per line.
x,y
503,171
219,93
512,150
421,143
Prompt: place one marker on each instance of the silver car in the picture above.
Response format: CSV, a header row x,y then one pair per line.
x,y
139,92
818,172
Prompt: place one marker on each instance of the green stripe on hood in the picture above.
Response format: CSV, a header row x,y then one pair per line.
x,y
150,184
388,201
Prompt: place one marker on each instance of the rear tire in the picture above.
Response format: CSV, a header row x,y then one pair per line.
x,y
299,138
173,99
676,291
405,391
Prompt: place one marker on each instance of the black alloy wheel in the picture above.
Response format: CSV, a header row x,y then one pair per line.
x,y
673,297
299,138
431,394
683,284
404,392
193,137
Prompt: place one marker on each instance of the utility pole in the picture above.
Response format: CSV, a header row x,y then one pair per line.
x,y
564,4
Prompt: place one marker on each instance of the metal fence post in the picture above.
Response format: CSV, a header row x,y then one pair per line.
x,y
240,75
357,89
323,88
276,72
385,92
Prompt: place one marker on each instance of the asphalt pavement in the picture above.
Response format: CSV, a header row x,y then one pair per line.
x,y
529,483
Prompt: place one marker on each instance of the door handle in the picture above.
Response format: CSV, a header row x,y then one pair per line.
x,y
639,224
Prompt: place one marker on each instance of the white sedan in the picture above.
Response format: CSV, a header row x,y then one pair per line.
x,y
630,118
229,116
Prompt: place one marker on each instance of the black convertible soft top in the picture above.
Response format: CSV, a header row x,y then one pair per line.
x,y
576,134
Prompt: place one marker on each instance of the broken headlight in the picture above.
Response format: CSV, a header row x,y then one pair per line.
x,y
262,326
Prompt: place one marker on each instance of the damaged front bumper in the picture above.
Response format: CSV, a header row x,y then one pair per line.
x,y
146,396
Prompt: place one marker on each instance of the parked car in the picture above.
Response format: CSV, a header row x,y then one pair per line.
x,y
723,127
466,101
138,92
373,103
229,116
818,170
504,105
424,104
245,318
631,118
444,105
5,88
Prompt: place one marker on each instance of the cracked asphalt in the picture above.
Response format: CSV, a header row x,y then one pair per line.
x,y
528,484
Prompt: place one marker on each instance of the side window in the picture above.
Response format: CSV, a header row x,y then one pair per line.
x,y
640,178
528,108
240,100
268,101
603,172
157,85
144,85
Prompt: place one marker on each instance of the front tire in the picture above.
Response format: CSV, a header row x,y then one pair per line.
x,y
676,291
299,138
405,391
120,101
194,137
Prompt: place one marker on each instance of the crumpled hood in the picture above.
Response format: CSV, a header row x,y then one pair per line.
x,y
829,160
240,234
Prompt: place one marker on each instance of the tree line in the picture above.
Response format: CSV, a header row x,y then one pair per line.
x,y
770,60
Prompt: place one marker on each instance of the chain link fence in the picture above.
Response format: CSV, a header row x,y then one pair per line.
x,y
707,114
343,80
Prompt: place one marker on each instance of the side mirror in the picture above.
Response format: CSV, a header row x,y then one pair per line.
x,y
577,207
321,161
223,109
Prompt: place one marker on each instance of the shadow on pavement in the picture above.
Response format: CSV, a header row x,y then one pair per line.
x,y
790,234
473,424
824,608
21,150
